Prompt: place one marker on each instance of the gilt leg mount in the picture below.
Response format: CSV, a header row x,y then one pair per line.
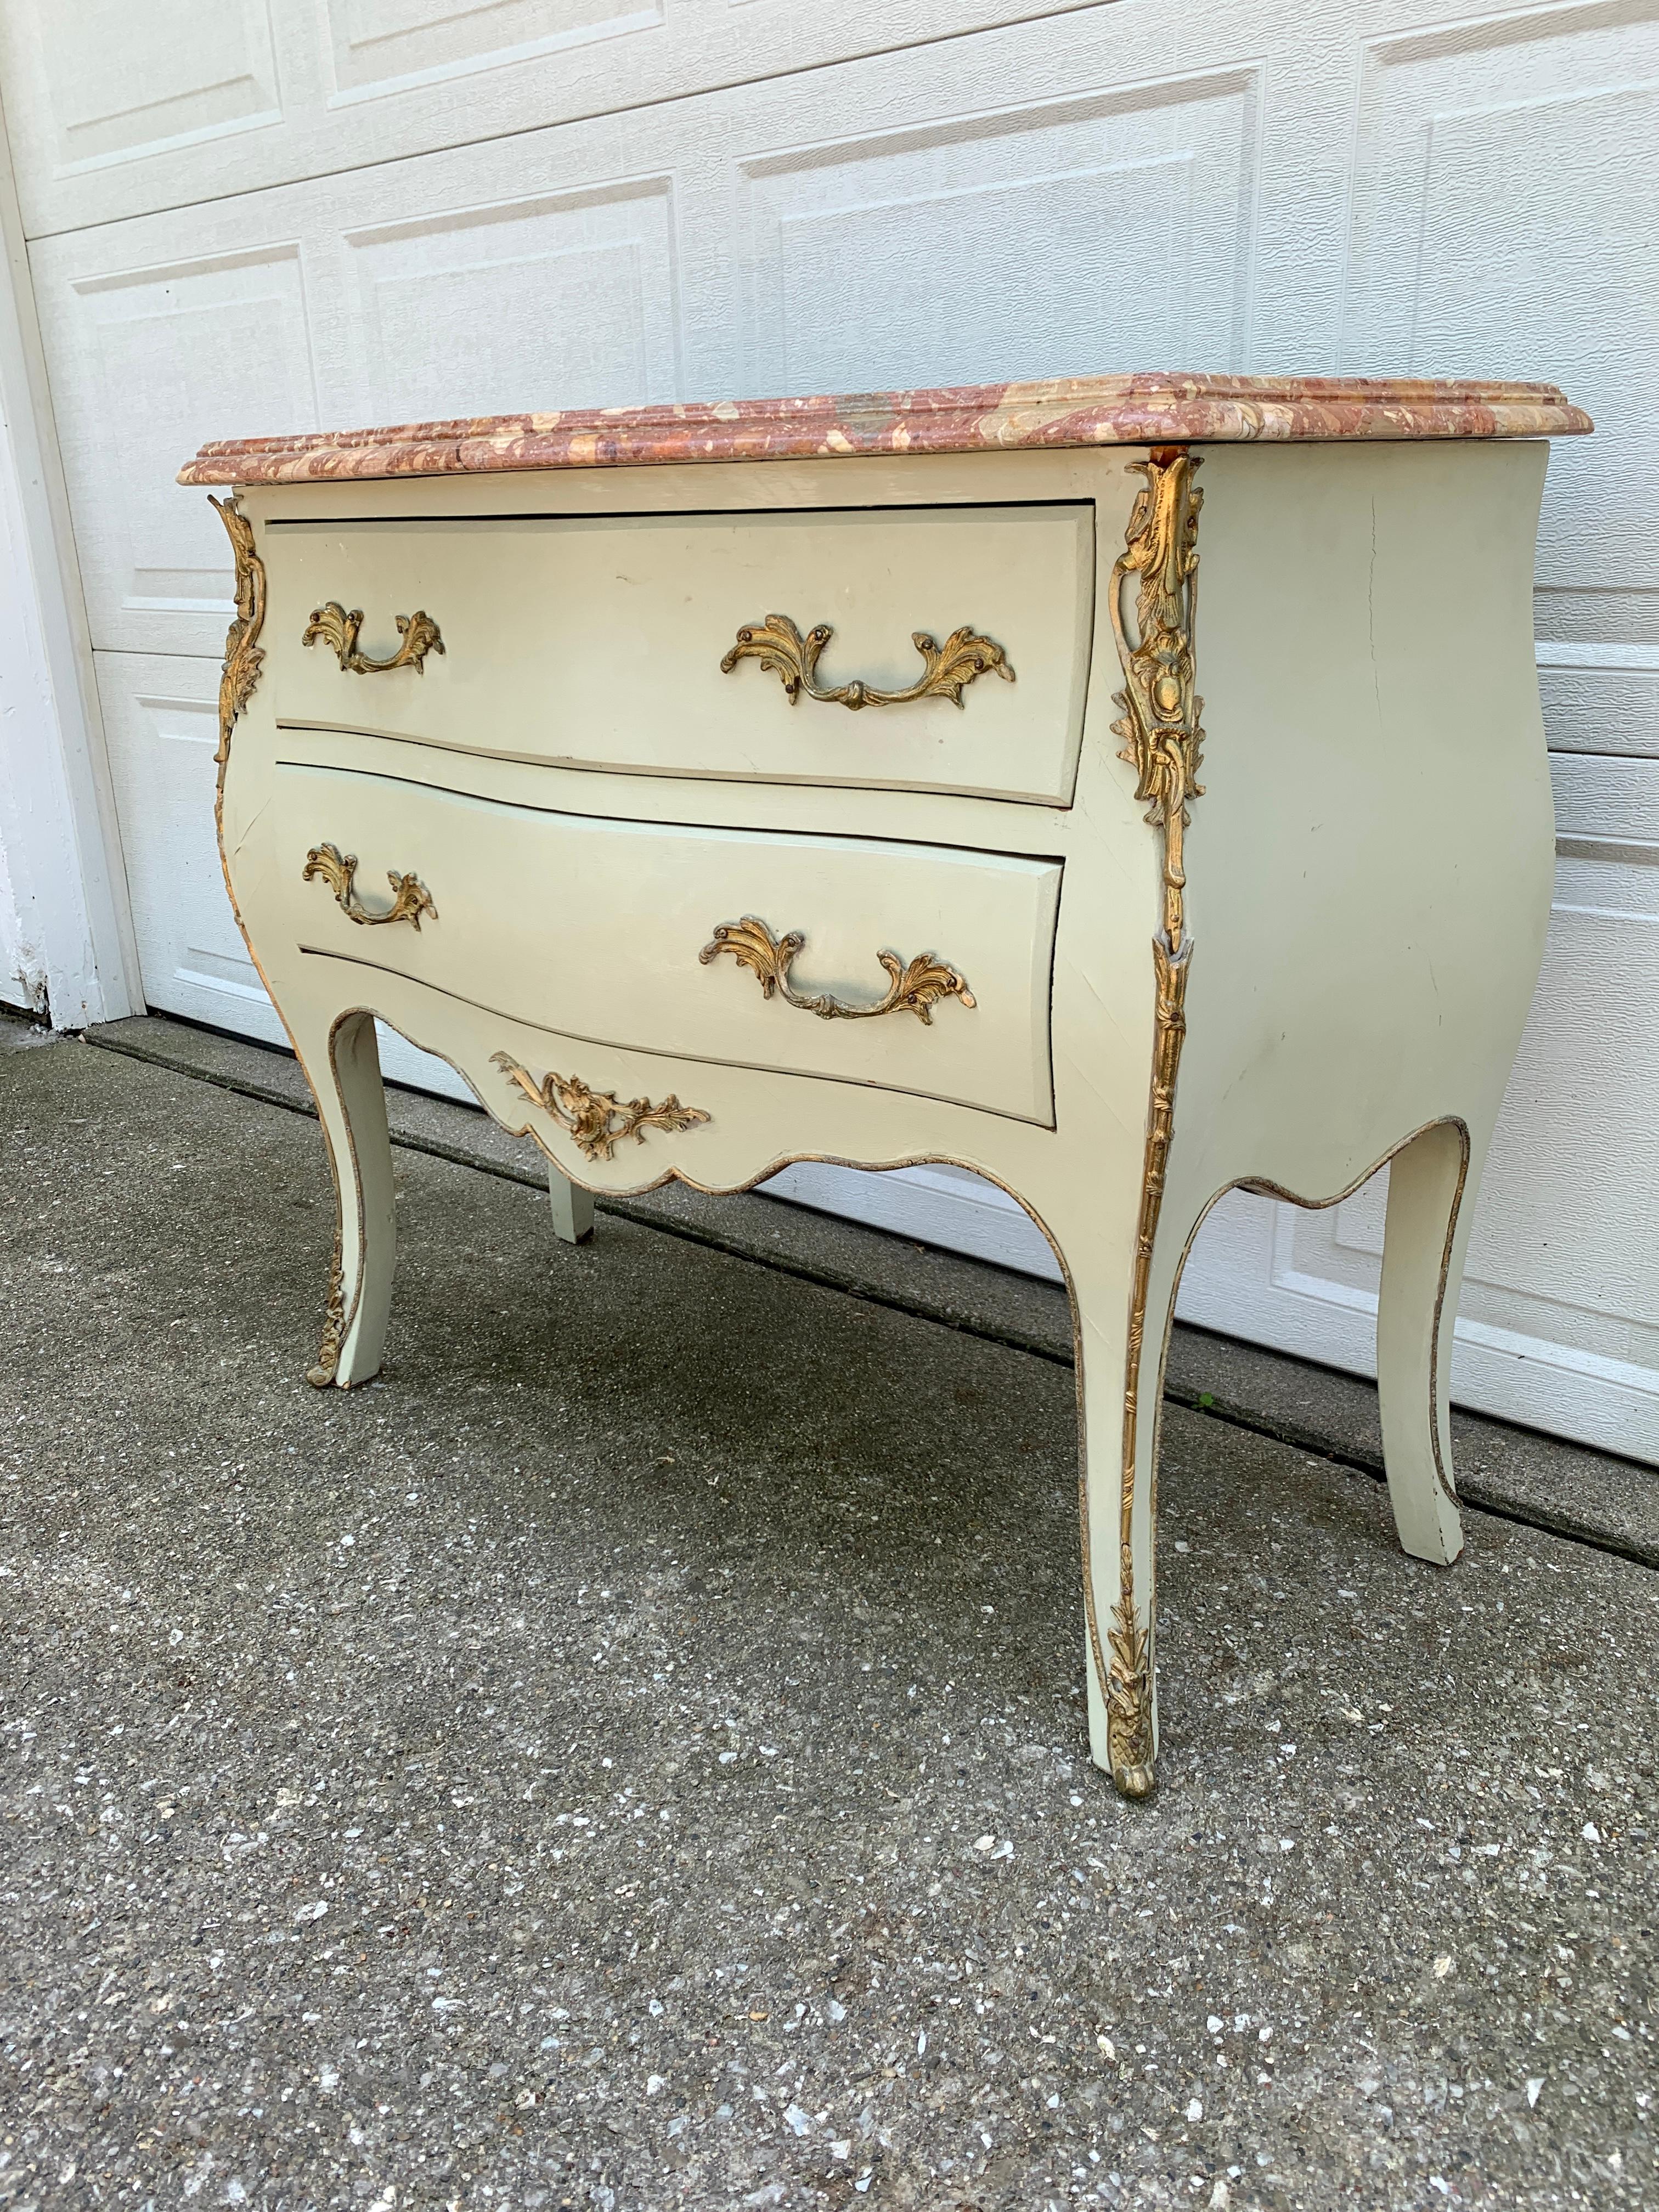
x,y
1163,741
328,1351
1129,1693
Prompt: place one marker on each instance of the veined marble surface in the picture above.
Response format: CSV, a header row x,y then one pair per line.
x,y
1061,411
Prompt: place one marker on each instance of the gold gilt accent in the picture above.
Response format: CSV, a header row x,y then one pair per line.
x,y
914,987
243,656
1129,1701
328,1353
598,1120
1163,742
411,898
947,669
337,630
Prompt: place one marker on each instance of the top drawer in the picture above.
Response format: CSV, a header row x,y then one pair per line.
x,y
597,642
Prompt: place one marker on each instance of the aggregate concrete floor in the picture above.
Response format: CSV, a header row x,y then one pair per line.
x,y
632,1756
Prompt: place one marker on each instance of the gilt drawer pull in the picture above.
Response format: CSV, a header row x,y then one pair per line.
x,y
338,630
914,987
947,669
411,898
598,1120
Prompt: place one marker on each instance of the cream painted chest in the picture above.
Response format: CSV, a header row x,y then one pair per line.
x,y
863,780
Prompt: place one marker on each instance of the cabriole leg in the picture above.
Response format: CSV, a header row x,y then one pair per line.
x,y
573,1208
1117,1593
344,1071
1431,1202
1120,1346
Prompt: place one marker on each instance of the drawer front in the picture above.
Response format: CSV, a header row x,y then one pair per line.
x,y
598,929
599,642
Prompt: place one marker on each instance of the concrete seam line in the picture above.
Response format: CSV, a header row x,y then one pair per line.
x,y
1290,1435
826,1278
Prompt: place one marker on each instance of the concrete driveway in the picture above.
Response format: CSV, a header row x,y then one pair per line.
x,y
632,1755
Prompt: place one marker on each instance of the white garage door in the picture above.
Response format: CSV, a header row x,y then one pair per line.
x,y
246,217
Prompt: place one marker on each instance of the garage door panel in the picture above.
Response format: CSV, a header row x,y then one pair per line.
x,y
573,293
1505,212
858,253
287,89
161,724
114,88
378,48
143,357
385,294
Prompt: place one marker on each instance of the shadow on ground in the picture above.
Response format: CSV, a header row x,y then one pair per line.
x,y
633,1755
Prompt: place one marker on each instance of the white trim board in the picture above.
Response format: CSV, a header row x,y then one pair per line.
x,y
65,935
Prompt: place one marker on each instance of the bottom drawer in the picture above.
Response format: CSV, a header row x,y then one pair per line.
x,y
758,950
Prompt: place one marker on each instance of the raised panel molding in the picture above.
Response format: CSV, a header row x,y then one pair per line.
x,y
951,253
118,84
160,720
158,353
1502,213
363,82
1504,216
379,48
573,294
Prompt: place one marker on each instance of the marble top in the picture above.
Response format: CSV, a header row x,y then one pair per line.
x,y
1061,411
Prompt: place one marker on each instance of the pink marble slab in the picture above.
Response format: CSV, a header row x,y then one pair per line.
x,y
1081,410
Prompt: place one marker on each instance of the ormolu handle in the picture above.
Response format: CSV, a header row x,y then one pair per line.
x,y
947,669
598,1120
411,898
914,987
338,630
